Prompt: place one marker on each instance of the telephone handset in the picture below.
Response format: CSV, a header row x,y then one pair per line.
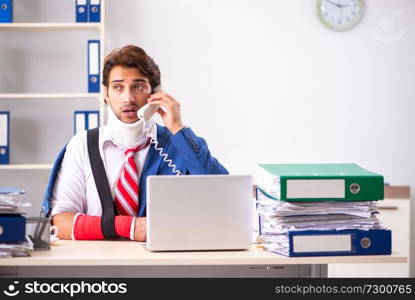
x,y
145,113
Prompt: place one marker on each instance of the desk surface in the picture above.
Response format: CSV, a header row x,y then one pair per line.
x,y
129,253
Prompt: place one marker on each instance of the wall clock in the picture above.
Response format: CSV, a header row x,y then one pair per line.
x,y
340,15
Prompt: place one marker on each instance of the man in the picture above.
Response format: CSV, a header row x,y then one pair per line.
x,y
131,80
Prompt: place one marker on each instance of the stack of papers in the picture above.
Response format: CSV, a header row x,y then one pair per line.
x,y
278,218
13,240
320,209
12,200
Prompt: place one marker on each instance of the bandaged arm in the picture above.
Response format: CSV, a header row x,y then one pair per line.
x,y
79,226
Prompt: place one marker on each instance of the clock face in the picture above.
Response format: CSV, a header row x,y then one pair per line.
x,y
340,14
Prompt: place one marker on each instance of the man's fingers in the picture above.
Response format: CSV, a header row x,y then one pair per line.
x,y
161,102
161,112
162,96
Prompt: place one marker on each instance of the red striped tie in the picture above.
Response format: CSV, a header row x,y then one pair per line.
x,y
126,190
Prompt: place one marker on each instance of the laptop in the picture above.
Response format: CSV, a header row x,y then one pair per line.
x,y
199,212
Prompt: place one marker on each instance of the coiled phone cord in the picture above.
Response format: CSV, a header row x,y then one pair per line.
x,y
160,150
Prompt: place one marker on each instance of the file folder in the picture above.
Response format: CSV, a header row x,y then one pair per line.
x,y
85,120
340,242
320,182
94,11
12,228
4,137
6,11
93,66
81,11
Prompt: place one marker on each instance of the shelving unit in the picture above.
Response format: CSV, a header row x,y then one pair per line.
x,y
26,167
53,26
49,96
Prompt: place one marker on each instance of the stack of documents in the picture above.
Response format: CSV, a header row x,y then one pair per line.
x,y
325,209
12,200
13,239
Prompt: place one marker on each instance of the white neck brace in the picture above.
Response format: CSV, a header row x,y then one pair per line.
x,y
126,134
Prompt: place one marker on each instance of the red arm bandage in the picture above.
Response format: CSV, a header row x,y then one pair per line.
x,y
89,227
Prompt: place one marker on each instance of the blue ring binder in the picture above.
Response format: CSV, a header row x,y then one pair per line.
x,y
6,11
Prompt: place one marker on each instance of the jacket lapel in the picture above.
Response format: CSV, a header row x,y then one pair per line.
x,y
151,166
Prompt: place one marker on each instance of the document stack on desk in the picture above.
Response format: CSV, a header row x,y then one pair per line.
x,y
320,209
13,240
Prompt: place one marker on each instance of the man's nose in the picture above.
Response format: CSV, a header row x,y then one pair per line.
x,y
128,96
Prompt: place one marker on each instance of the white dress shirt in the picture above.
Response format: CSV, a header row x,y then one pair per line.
x,y
75,190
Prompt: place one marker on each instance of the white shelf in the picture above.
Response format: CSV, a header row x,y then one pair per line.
x,y
48,95
97,30
26,167
51,26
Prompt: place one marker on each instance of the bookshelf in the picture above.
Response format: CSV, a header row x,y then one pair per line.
x,y
45,97
26,167
52,26
49,95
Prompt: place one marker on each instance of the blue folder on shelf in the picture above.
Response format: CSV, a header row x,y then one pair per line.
x,y
339,242
93,66
4,137
81,11
6,11
85,120
94,11
12,228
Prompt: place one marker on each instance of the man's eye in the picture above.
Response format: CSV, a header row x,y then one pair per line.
x,y
139,87
116,88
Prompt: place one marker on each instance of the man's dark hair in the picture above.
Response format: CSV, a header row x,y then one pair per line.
x,y
131,56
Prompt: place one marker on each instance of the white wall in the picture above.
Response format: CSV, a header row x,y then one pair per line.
x,y
264,81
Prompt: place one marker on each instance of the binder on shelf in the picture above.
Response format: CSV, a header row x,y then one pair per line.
x,y
94,11
81,11
6,11
12,228
319,182
85,120
93,66
337,242
4,137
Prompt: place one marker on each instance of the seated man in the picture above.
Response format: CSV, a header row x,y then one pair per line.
x,y
131,80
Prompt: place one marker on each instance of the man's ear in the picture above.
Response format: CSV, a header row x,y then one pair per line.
x,y
105,95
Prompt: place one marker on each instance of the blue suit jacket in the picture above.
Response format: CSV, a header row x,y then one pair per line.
x,y
188,152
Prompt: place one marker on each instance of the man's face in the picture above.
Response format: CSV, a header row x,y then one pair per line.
x,y
127,92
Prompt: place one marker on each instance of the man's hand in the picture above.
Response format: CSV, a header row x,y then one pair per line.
x,y
140,230
171,115
64,222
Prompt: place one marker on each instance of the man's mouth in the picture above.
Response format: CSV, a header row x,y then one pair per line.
x,y
129,112
130,109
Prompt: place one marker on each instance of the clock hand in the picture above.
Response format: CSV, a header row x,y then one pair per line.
x,y
334,3
337,4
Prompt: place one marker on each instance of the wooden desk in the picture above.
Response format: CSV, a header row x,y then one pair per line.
x,y
131,259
